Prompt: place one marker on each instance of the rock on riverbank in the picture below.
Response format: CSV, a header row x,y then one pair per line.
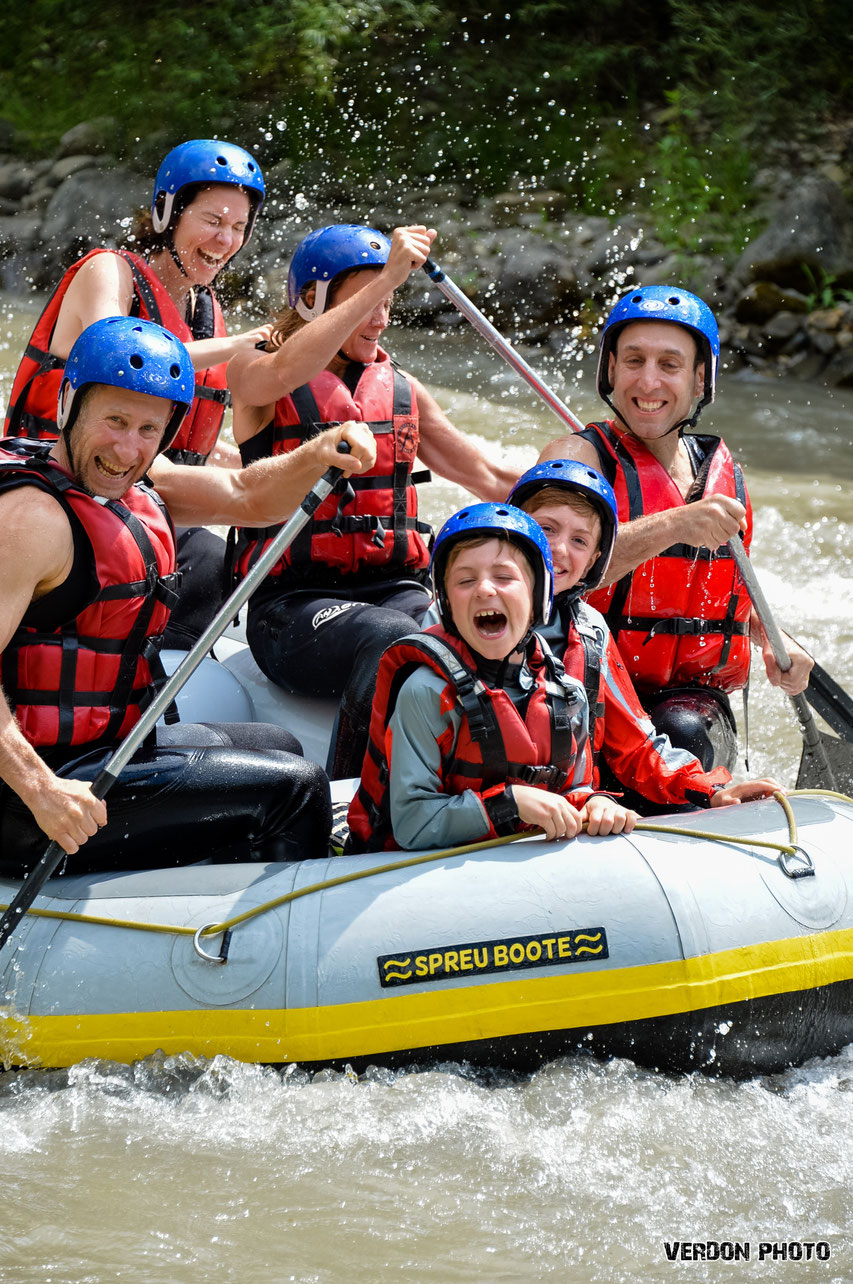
x,y
539,270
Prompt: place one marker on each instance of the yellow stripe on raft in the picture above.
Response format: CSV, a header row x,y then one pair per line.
x,y
443,1015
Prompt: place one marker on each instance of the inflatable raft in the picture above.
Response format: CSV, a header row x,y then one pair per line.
x,y
679,952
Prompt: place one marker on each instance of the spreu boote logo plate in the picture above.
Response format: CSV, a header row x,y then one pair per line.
x,y
480,958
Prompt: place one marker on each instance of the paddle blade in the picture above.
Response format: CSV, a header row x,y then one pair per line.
x,y
831,701
839,754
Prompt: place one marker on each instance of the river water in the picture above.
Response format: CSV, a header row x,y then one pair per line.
x,y
176,1170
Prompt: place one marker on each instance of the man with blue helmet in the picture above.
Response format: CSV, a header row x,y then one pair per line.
x,y
476,730
358,578
673,599
87,580
577,510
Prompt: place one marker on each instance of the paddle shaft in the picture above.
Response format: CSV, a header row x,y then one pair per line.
x,y
464,305
54,854
811,737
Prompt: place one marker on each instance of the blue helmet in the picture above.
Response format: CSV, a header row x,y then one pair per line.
x,y
506,522
128,352
580,479
200,162
663,303
323,254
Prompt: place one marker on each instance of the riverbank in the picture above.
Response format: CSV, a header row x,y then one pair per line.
x,y
542,271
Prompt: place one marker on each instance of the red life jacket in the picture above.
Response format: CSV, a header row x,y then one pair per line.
x,y
619,727
583,660
32,401
87,680
495,745
681,618
372,527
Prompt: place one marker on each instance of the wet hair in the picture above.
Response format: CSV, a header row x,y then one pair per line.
x,y
287,320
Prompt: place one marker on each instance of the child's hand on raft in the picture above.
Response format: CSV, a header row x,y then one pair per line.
x,y
603,815
747,791
551,813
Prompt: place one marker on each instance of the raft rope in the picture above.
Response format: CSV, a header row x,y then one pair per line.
x,y
787,851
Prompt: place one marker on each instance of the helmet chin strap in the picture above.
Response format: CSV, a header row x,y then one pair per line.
x,y
174,253
523,646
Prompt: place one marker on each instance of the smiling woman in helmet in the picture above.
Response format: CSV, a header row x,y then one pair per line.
x,y
358,578
206,197
672,596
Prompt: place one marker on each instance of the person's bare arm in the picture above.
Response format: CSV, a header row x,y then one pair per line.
x,y
103,287
258,378
224,455
66,810
212,352
707,523
447,451
266,492
572,446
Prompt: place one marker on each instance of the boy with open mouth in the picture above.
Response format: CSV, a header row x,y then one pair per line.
x,y
476,730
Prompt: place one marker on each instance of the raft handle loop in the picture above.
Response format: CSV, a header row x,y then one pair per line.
x,y
222,956
795,862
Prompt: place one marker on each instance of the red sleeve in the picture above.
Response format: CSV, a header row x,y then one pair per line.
x,y
638,755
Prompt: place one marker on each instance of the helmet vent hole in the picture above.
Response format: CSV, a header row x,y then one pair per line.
x,y
674,300
136,361
175,371
220,160
638,298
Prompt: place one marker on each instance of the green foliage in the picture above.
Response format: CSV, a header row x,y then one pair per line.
x,y
662,106
699,189
825,291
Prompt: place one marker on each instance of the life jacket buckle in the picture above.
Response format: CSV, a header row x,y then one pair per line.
x,y
552,777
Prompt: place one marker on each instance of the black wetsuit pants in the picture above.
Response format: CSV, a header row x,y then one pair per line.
x,y
178,804
201,562
329,643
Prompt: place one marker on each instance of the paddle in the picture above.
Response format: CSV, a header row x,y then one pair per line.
x,y
831,701
823,693
815,760
54,854
464,305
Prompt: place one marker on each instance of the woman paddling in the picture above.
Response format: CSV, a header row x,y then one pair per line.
x,y
357,579
206,197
